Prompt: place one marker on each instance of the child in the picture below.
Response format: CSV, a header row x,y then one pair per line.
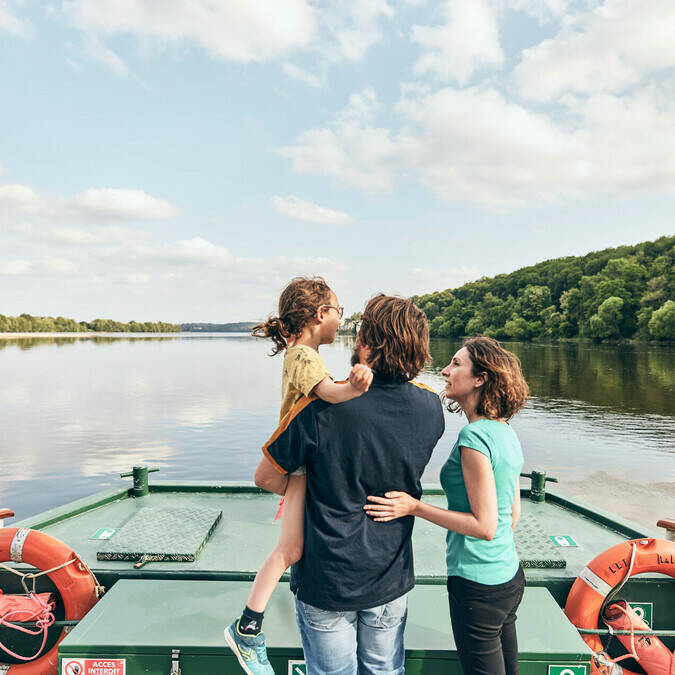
x,y
309,316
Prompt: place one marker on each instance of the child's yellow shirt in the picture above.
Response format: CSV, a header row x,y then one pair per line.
x,y
303,370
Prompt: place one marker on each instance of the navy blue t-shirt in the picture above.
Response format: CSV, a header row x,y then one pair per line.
x,y
369,445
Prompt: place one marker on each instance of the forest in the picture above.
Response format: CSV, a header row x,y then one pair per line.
x,y
25,323
626,292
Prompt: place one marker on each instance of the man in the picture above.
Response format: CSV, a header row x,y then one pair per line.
x,y
352,580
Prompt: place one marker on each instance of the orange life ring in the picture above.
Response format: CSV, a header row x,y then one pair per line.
x,y
605,572
75,583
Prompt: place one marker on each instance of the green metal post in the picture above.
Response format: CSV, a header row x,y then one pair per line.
x,y
538,487
140,474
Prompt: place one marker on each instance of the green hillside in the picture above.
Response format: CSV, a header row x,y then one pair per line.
x,y
624,292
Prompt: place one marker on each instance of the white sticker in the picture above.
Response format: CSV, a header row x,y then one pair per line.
x,y
297,668
93,667
595,582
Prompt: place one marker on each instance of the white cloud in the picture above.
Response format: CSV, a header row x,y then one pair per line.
x,y
116,204
19,201
60,265
351,27
474,145
94,50
606,50
304,76
542,9
137,278
195,250
348,149
15,267
299,209
231,30
10,23
19,198
466,42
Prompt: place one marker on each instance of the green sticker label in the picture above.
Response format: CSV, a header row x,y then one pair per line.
x,y
104,533
644,610
297,668
562,540
567,670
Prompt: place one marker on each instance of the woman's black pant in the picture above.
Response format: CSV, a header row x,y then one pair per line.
x,y
484,624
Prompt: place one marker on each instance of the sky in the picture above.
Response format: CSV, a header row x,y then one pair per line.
x,y
181,160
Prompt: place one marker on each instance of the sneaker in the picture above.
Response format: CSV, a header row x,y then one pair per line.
x,y
249,649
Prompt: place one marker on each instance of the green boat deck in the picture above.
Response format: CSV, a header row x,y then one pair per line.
x,y
178,564
142,622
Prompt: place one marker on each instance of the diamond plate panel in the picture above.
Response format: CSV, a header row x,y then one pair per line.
x,y
166,535
534,547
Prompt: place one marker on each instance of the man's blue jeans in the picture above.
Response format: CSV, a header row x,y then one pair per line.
x,y
369,641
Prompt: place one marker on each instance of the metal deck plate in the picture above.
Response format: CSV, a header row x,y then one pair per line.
x,y
167,535
534,547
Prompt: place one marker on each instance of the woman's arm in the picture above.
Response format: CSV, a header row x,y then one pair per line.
x,y
480,522
515,509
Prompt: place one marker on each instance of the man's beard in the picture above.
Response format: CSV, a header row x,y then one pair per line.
x,y
355,357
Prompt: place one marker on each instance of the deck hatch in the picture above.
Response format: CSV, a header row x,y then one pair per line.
x,y
166,535
534,547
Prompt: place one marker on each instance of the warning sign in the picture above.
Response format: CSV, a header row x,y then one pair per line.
x,y
93,667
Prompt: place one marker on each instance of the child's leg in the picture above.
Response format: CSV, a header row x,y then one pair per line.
x,y
288,549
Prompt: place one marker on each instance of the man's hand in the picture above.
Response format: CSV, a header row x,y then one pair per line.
x,y
361,377
393,505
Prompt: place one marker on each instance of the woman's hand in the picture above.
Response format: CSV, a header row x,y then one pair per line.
x,y
393,505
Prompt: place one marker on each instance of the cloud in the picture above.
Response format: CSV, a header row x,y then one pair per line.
x,y
137,278
466,42
15,267
235,30
304,76
97,205
60,265
116,204
474,145
351,28
94,50
348,149
607,50
299,209
195,250
544,10
10,23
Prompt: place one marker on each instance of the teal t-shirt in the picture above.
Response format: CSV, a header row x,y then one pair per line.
x,y
486,562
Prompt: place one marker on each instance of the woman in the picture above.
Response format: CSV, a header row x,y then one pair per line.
x,y
480,479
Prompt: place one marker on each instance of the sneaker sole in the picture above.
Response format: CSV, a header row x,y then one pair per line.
x,y
233,646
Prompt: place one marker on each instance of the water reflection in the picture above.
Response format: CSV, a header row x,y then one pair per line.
x,y
75,412
624,378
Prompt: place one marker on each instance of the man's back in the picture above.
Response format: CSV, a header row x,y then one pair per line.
x,y
378,442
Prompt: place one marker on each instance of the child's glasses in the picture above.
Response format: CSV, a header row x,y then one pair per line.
x,y
340,310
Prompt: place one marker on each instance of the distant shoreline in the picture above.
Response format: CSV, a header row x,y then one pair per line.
x,y
83,334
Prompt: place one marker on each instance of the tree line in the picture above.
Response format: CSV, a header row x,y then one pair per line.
x,y
25,323
623,292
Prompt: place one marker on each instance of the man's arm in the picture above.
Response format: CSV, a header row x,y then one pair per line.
x,y
268,478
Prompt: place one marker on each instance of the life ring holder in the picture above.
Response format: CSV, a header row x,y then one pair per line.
x,y
75,582
605,574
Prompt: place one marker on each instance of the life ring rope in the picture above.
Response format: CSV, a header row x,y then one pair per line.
x,y
597,585
75,582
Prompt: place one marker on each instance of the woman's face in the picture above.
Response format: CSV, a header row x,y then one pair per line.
x,y
460,381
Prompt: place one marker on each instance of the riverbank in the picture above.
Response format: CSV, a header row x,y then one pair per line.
x,y
83,334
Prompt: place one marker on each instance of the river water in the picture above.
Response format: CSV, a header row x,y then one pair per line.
x,y
76,412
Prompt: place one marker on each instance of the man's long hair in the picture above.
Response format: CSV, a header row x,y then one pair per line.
x,y
397,333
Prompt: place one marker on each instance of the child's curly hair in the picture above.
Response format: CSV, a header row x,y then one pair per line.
x,y
298,303
505,391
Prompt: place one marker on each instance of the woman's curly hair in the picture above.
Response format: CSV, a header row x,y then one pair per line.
x,y
298,303
505,391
